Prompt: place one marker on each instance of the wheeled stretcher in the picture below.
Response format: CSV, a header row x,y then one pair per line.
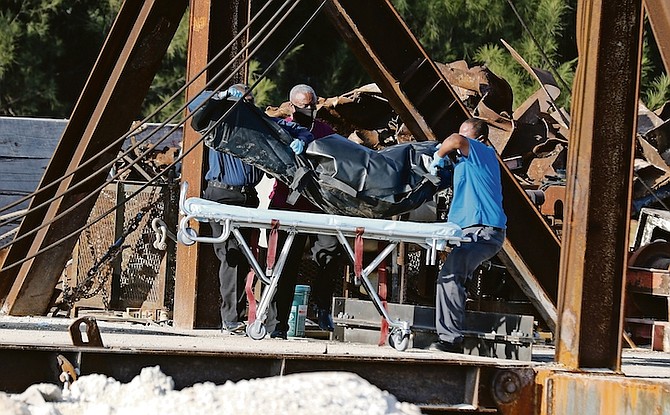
x,y
431,236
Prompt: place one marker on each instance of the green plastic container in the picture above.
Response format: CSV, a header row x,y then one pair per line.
x,y
296,320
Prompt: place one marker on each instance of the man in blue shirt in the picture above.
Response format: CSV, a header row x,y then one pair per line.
x,y
230,181
477,208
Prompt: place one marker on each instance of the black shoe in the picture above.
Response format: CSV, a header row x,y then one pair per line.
x,y
325,320
234,327
278,334
448,347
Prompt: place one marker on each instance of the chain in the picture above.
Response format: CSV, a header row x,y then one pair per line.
x,y
88,288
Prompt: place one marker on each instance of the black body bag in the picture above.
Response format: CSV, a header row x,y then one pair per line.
x,y
336,174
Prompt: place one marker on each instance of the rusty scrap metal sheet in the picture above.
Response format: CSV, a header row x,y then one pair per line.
x,y
658,12
398,64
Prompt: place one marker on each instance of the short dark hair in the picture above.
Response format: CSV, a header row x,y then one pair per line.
x,y
478,126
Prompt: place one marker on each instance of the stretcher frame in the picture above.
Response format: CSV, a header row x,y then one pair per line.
x,y
430,236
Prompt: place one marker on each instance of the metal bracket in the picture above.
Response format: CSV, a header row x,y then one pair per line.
x,y
91,336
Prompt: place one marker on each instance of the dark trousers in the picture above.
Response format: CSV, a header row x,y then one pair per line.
x,y
234,265
325,252
456,272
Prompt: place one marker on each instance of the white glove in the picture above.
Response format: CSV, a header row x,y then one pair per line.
x,y
297,146
437,162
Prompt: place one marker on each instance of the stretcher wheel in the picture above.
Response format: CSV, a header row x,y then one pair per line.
x,y
256,330
398,339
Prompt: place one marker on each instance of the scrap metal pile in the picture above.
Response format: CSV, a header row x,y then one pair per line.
x,y
531,139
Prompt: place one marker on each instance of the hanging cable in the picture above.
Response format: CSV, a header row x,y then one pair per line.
x,y
270,23
150,116
281,54
204,134
172,130
118,174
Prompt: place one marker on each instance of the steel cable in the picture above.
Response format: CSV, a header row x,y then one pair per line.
x,y
110,180
178,159
150,116
537,44
172,130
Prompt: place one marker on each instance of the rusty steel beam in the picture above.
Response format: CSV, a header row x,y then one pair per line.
x,y
186,276
589,393
599,182
109,103
409,79
212,26
658,12
436,385
68,143
423,98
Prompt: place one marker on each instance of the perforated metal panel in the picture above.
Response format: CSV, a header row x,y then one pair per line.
x,y
141,276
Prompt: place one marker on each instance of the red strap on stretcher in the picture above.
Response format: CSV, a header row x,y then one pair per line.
x,y
272,244
382,288
249,285
358,253
272,255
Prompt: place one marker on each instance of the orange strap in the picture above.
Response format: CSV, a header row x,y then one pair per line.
x,y
249,285
272,245
382,277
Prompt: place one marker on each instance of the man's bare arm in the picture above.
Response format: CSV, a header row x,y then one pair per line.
x,y
452,143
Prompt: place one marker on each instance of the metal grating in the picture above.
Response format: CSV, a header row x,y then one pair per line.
x,y
141,277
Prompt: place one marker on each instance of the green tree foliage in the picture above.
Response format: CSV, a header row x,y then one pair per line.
x,y
319,57
655,83
657,92
47,49
169,79
471,30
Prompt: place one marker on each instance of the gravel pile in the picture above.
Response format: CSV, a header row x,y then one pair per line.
x,y
152,392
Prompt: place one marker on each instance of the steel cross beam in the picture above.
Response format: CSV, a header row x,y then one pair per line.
x,y
658,12
106,108
600,161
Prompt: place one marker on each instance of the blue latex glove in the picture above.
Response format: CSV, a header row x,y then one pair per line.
x,y
438,162
297,146
230,92
235,93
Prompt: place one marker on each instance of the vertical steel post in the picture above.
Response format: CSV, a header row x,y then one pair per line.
x,y
213,24
595,231
193,165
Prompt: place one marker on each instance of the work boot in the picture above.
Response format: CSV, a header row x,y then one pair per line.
x,y
445,346
234,327
278,334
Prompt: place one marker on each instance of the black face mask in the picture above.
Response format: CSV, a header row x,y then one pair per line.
x,y
304,116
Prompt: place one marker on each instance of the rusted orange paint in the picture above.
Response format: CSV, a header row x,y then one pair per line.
x,y
602,394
